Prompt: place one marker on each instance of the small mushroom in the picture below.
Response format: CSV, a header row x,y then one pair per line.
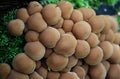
x,y
65,70
54,62
4,70
53,75
106,65
79,63
48,52
35,50
72,61
35,75
81,30
117,38
16,27
102,37
59,24
85,67
110,36
38,64
49,37
22,63
61,31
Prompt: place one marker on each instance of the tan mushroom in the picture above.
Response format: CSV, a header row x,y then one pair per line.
x,y
110,36
35,75
53,75
117,38
59,24
72,61
106,65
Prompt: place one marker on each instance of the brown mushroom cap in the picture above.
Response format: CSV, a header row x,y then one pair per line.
x,y
102,37
22,14
65,70
110,36
54,62
79,71
106,65
72,61
53,75
36,22
59,24
66,9
49,37
117,38
17,75
51,13
32,36
35,50
81,30
67,25
66,45
16,27
82,49
79,63
69,75
34,7
95,56
4,70
93,40
61,31
48,52
35,75
107,49
22,63
38,64
114,72
97,71
85,67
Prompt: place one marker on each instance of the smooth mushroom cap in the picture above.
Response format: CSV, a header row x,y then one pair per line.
x,y
61,31
82,49
49,37
81,30
36,23
66,9
66,45
53,75
72,61
107,48
93,40
106,65
22,14
95,56
5,70
51,13
85,67
34,7
65,70
59,24
102,37
16,27
38,65
67,25
48,52
32,36
54,62
110,36
16,75
35,50
35,75
22,63
117,38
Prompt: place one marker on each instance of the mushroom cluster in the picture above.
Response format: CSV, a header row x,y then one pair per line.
x,y
64,43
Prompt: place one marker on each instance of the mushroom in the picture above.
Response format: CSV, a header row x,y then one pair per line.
x,y
53,75
59,24
67,25
22,63
35,50
102,37
79,63
66,45
107,49
61,31
110,36
34,7
32,36
93,40
72,61
5,70
49,37
36,23
106,65
52,14
35,75
16,75
38,65
82,49
81,30
65,70
16,27
117,38
66,9
95,56
85,67
54,62
48,52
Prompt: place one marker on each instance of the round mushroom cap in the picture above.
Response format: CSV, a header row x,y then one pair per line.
x,y
35,75
38,65
107,48
114,71
66,9
59,24
102,37
51,13
54,62
106,65
53,75
22,14
4,70
34,7
97,71
22,63
117,38
65,70
35,50
61,31
67,25
79,71
69,75
16,75
93,40
49,37
32,36
110,36
81,30
48,52
66,45
97,24
82,49
95,56
72,61
16,27
87,13
36,23
85,67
